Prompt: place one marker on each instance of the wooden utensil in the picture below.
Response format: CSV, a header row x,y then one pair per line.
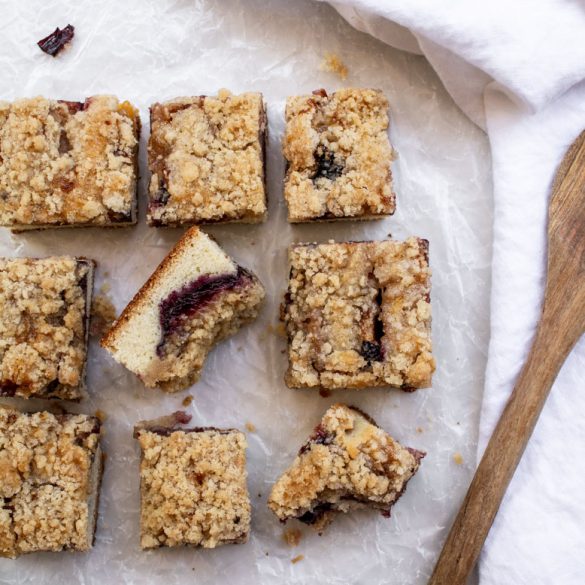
x,y
561,324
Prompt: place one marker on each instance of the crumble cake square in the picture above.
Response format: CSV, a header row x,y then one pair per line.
x,y
68,164
207,158
196,297
51,467
347,463
192,484
338,156
358,314
44,324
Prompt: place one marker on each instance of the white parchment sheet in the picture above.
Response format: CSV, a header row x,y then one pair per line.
x,y
150,50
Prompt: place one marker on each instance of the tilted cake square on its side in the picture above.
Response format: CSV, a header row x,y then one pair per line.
x,y
68,164
358,314
349,462
338,156
195,298
192,484
44,324
49,485
207,159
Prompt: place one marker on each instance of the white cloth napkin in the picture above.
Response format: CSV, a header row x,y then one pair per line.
x,y
517,70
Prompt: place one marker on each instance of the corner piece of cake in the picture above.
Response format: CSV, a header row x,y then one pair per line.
x,y
358,315
192,484
207,158
68,164
196,297
338,156
44,324
347,463
49,484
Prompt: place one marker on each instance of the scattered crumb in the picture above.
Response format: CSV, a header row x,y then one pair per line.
x,y
239,348
103,314
283,351
419,429
292,536
458,458
250,427
334,64
297,559
266,553
277,329
187,400
259,495
105,288
101,415
325,392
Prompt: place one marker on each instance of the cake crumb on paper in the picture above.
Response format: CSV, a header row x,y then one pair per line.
x,y
187,400
419,429
325,392
458,458
250,427
333,64
296,559
101,415
103,314
292,536
105,288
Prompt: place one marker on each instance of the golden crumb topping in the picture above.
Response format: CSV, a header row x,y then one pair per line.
x,y
338,156
347,462
206,156
67,163
45,481
193,488
43,341
358,314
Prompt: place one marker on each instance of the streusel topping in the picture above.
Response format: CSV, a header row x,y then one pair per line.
x,y
358,314
43,326
193,488
206,155
338,156
348,459
45,481
67,163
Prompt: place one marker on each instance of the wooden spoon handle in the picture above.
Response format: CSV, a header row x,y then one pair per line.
x,y
554,339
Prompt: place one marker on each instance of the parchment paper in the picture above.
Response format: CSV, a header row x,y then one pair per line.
x,y
150,50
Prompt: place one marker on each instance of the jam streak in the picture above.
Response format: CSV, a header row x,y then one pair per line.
x,y
193,297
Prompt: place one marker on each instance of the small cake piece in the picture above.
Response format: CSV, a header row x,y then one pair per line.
x,y
358,315
196,297
192,485
44,324
338,156
348,462
207,157
68,164
51,469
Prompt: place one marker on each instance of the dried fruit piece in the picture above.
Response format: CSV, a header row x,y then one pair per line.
x,y
56,41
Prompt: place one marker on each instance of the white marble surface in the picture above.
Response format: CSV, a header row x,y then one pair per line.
x,y
151,50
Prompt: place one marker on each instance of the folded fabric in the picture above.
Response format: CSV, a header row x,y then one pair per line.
x,y
517,70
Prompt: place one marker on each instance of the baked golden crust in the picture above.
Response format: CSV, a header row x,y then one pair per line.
x,y
348,462
68,163
338,156
174,362
193,488
358,314
43,326
206,156
47,480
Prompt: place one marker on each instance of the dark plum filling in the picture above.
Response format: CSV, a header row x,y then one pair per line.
x,y
54,43
319,437
327,166
161,198
372,351
315,514
193,297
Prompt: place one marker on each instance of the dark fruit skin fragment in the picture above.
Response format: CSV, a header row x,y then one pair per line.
x,y
326,166
193,297
319,437
371,352
315,514
54,43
